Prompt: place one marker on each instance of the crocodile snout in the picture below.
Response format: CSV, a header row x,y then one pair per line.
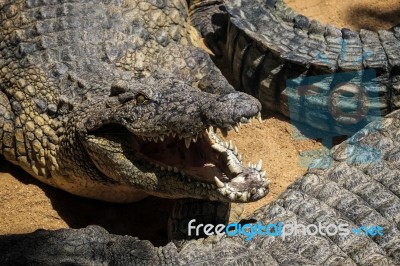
x,y
231,108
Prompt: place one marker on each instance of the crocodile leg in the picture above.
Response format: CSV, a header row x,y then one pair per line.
x,y
204,212
210,19
192,65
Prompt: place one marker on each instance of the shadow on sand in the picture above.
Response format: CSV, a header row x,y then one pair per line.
x,y
146,219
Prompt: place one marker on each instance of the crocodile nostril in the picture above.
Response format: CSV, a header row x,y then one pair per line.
x,y
118,88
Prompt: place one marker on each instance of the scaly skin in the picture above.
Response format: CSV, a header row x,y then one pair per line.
x,y
266,43
352,190
308,48
96,96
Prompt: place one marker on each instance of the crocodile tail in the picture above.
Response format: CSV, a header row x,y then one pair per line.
x,y
268,44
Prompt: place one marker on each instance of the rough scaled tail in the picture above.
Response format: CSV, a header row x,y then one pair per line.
x,y
268,44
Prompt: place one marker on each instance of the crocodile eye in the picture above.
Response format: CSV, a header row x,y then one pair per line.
x,y
140,99
125,98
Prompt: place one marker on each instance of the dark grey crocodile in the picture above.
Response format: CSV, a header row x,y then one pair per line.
x,y
108,100
268,43
361,187
351,191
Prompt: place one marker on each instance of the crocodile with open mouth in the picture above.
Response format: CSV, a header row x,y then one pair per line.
x,y
110,100
92,103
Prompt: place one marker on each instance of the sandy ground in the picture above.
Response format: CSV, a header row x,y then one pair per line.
x,y
354,14
27,205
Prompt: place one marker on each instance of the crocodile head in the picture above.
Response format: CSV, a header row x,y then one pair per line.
x,y
158,137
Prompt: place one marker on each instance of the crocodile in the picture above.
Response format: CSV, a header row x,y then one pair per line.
x,y
109,100
268,43
352,190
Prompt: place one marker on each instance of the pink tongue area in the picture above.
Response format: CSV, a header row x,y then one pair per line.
x,y
198,161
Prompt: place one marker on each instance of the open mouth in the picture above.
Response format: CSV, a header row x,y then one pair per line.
x,y
201,161
208,162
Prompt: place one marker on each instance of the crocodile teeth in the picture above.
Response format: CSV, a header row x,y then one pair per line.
x,y
253,191
218,182
263,173
223,191
259,117
235,151
236,129
232,195
259,165
243,197
187,142
169,168
194,139
218,147
231,146
173,134
240,157
234,169
176,170
161,138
